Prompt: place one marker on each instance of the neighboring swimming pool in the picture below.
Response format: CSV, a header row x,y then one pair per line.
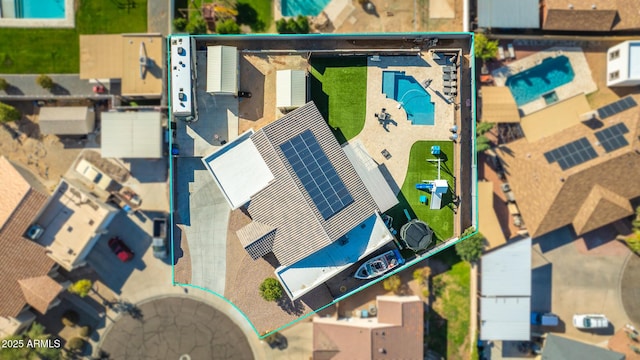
x,y
302,7
40,9
532,83
415,100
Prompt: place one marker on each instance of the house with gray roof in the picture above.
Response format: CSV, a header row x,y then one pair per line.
x,y
308,205
561,348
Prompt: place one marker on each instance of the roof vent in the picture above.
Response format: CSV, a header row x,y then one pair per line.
x,y
571,6
91,222
561,179
382,351
593,6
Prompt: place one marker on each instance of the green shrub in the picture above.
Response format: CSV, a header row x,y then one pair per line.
x,y
633,241
180,24
197,25
482,143
70,318
392,283
298,25
84,331
281,26
438,286
75,344
483,48
81,287
270,289
8,113
228,26
45,82
483,127
425,293
3,84
470,249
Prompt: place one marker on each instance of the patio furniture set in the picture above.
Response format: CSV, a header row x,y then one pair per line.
x,y
510,49
449,77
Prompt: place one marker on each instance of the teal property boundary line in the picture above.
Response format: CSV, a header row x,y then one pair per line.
x,y
441,247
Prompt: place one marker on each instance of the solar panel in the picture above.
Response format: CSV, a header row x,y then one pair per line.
x,y
571,154
612,138
616,107
316,173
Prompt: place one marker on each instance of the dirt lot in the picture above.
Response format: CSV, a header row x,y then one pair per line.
x,y
258,73
404,16
46,156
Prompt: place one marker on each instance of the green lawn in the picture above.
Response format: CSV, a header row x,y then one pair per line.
x,y
256,14
339,90
35,51
441,221
450,313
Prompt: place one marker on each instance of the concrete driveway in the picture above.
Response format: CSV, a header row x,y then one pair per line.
x,y
204,214
577,276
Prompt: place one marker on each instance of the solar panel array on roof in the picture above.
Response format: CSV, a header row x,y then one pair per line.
x,y
316,173
612,138
616,107
572,154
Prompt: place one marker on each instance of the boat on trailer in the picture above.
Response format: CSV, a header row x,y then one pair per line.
x,y
379,265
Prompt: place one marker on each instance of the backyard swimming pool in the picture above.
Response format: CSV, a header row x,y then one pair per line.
x,y
302,7
415,100
39,9
529,85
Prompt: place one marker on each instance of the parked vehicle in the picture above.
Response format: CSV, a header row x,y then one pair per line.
x,y
159,242
590,321
542,319
379,265
94,175
121,250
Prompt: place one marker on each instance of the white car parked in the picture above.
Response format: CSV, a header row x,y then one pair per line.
x,y
590,321
94,175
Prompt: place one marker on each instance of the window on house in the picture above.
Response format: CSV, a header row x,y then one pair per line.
x,y
614,55
614,75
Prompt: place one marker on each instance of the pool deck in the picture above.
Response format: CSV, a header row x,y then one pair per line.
x,y
582,83
69,20
399,139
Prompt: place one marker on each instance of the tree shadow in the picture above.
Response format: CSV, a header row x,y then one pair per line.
x,y
13,90
58,89
247,15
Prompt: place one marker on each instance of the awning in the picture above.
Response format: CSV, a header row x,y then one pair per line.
x,y
498,105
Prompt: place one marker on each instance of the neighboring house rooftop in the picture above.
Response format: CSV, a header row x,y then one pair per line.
x,y
591,15
505,296
297,148
66,120
40,292
72,219
104,57
134,134
560,348
509,14
488,223
573,177
22,259
396,333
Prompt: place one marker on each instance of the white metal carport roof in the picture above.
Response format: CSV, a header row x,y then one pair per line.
x,y
132,134
290,88
222,70
517,14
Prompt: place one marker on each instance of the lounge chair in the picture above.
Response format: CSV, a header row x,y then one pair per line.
x,y
449,69
500,53
452,83
512,52
448,77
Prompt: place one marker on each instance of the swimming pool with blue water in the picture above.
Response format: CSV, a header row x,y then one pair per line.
x,y
531,84
302,7
40,9
413,97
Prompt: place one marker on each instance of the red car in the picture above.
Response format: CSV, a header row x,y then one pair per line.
x,y
121,250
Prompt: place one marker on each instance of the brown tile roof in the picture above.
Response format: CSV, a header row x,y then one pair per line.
x,y
21,258
40,292
401,338
579,20
591,194
13,190
618,15
286,206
